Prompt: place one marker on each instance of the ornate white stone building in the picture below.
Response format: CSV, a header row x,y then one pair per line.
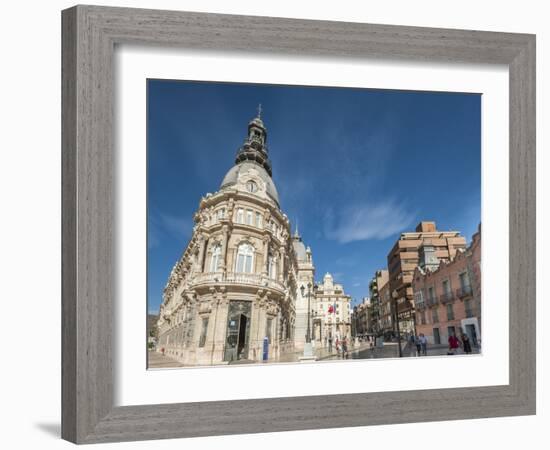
x,y
238,280
331,311
306,275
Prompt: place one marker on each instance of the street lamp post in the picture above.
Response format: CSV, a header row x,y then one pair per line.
x,y
396,321
308,350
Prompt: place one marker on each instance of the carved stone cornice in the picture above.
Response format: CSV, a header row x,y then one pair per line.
x,y
222,297
272,309
190,295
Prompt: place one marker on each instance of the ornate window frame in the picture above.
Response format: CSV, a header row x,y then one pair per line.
x,y
252,255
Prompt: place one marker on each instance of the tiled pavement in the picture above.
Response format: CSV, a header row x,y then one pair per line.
x,y
156,360
363,351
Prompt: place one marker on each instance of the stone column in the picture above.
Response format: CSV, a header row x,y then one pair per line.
x,y
225,240
219,327
206,310
282,255
202,249
266,255
192,314
254,348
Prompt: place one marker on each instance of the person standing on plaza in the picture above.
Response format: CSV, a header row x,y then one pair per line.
x,y
344,348
454,344
418,345
466,343
412,345
423,344
330,344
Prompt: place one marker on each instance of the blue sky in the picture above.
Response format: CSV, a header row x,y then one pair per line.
x,y
354,167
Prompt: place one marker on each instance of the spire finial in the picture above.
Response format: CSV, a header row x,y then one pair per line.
x,y
259,110
296,233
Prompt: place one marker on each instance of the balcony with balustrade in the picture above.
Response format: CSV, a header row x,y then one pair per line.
x,y
231,279
431,301
447,297
464,292
420,305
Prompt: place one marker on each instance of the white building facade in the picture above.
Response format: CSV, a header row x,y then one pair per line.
x,y
236,283
331,313
306,277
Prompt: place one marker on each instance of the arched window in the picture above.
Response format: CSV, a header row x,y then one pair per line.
x,y
215,259
245,258
251,186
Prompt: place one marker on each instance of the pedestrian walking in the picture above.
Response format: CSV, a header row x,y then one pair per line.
x,y
454,344
423,344
412,344
344,348
418,345
466,343
330,344
162,350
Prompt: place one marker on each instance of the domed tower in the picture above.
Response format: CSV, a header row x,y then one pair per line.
x,y
236,281
254,147
252,164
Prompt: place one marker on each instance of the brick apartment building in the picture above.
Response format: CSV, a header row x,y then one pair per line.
x,y
379,280
448,296
387,326
426,247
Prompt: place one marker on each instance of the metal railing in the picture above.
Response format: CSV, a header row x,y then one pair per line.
x,y
447,297
431,301
464,291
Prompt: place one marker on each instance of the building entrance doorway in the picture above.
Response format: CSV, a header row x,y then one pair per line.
x,y
241,344
471,332
317,334
437,337
238,331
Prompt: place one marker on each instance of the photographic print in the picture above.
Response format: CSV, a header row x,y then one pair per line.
x,y
303,224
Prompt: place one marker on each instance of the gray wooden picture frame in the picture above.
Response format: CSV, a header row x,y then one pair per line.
x,y
90,34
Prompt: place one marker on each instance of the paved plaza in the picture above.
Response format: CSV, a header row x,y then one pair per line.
x,y
360,351
156,360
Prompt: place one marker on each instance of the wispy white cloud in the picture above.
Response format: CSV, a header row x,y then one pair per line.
x,y
361,164
162,224
337,276
153,238
360,222
179,226
346,261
